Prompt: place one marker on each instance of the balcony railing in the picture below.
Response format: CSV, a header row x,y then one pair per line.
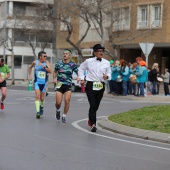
x,y
156,23
25,44
142,24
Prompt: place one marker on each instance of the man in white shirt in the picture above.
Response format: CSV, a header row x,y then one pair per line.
x,y
98,70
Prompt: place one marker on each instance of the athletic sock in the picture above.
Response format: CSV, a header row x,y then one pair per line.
x,y
42,103
64,115
37,105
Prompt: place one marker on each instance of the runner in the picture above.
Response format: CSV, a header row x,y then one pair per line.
x,y
62,76
41,69
4,74
98,70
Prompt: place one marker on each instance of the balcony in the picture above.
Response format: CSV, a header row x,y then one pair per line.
x,y
142,24
156,23
38,44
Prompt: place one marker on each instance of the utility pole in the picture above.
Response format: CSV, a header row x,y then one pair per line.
x,y
5,31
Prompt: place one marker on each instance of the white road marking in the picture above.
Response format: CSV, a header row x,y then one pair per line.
x,y
75,124
128,102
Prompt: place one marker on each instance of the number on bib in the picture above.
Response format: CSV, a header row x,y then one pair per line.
x,y
58,85
41,74
2,74
97,86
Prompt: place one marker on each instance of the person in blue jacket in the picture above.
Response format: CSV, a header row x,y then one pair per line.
x,y
125,77
142,77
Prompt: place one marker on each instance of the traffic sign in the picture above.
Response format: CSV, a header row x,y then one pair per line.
x,y
146,48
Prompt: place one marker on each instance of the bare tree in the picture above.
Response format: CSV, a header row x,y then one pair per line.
x,y
8,39
111,18
74,10
38,29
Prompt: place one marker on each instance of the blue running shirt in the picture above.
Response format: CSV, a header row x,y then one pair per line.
x,y
40,74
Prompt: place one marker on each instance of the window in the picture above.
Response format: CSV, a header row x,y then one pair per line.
x,y
143,17
156,15
28,59
149,16
122,19
19,8
30,11
17,61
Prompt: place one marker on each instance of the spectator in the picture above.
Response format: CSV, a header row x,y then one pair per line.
x,y
132,71
166,82
111,82
138,59
153,77
125,77
116,72
158,82
142,77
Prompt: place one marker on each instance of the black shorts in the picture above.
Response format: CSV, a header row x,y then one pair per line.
x,y
3,84
64,88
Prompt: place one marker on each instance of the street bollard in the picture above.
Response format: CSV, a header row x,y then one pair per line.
x,y
30,85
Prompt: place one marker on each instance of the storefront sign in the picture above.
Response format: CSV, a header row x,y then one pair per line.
x,y
85,52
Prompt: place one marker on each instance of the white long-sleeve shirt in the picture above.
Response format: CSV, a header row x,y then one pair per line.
x,y
95,69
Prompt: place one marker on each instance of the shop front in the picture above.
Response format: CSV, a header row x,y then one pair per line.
x,y
87,53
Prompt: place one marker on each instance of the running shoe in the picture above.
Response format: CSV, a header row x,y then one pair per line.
x,y
57,115
41,110
2,106
46,94
89,123
63,119
38,115
93,128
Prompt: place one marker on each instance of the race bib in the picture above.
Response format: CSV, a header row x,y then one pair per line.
x,y
58,85
41,74
97,86
2,74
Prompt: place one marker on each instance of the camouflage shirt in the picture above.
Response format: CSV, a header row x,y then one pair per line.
x,y
65,71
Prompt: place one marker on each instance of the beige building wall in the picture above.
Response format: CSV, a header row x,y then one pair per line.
x,y
130,49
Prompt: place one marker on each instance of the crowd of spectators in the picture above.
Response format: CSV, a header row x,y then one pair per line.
x,y
137,79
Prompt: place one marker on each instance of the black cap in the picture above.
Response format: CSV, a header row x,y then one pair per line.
x,y
98,46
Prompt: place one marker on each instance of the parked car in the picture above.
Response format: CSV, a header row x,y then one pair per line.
x,y
75,86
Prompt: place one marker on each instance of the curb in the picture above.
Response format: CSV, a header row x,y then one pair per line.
x,y
134,132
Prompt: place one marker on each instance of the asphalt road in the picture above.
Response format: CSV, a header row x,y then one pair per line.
x,y
47,144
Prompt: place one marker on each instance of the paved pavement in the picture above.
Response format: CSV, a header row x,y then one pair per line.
x,y
118,128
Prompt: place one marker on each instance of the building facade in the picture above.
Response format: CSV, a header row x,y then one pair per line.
x,y
25,31
139,21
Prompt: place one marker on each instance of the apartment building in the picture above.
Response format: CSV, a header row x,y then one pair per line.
x,y
27,30
136,21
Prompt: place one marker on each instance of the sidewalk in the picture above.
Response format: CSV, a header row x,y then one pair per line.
x,y
133,132
118,128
